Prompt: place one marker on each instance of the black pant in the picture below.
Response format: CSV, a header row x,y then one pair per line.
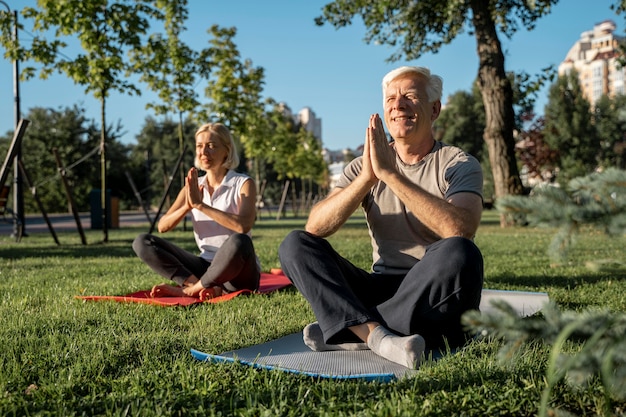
x,y
234,267
429,300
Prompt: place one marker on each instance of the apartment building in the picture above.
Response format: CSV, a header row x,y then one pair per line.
x,y
595,57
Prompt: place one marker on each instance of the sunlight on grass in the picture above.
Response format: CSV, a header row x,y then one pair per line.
x,y
63,356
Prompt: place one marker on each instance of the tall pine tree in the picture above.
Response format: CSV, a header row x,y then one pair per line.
x,y
569,128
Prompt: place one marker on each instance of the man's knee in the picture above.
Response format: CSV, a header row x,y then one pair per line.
x,y
461,251
290,246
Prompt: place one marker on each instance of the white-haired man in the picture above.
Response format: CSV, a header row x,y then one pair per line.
x,y
423,203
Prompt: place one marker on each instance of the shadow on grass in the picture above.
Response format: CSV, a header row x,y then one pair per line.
x,y
355,222
555,281
69,251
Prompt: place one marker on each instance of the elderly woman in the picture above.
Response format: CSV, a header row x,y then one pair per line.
x,y
222,207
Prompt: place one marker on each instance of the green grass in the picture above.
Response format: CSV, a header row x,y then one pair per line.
x,y
61,356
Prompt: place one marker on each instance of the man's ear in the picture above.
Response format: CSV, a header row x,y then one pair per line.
x,y
436,110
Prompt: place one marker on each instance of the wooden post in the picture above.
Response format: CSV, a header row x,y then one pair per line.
x,y
33,191
282,200
69,195
138,196
167,189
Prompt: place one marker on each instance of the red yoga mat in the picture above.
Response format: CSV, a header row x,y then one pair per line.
x,y
272,281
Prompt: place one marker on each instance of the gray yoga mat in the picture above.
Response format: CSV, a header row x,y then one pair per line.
x,y
290,354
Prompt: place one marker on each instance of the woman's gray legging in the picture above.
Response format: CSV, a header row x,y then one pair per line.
x,y
234,267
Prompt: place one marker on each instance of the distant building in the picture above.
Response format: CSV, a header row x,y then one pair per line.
x,y
334,172
594,57
307,118
336,159
345,155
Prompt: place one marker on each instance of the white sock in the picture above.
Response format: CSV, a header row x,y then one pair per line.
x,y
314,339
404,350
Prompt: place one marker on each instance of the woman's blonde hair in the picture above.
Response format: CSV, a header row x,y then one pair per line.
x,y
226,139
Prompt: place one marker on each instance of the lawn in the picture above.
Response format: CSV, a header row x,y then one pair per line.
x,y
62,356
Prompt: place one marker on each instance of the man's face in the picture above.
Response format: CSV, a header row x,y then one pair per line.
x,y
408,114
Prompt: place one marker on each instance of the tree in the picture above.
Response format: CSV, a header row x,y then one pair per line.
x,y
539,160
234,88
609,119
156,153
257,143
76,140
283,144
171,68
462,122
569,128
620,8
584,346
597,199
308,164
106,30
425,26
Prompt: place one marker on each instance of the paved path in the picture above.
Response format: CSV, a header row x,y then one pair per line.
x,y
66,222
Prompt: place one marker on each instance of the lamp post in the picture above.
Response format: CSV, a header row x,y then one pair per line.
x,y
18,191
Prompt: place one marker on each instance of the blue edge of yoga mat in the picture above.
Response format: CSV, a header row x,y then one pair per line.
x,y
524,302
378,377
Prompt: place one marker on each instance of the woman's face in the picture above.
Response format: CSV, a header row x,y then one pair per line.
x,y
210,151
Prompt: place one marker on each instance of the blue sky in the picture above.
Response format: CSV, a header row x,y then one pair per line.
x,y
334,72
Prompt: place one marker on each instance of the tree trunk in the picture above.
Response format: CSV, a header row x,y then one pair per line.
x,y
181,147
103,171
497,95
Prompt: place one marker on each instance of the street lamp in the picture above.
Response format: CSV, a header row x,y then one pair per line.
x,y
18,191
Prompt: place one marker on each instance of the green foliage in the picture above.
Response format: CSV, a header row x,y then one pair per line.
x,y
540,161
569,128
308,161
609,117
433,23
597,200
234,88
155,155
170,68
573,140
105,32
76,140
281,144
584,345
526,87
462,122
168,65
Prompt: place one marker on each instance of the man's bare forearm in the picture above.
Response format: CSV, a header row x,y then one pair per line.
x,y
330,214
442,217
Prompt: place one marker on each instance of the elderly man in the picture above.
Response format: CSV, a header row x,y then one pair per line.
x,y
423,203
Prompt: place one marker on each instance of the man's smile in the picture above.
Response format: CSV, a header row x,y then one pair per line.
x,y
401,118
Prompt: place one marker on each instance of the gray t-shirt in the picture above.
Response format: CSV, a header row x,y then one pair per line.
x,y
399,239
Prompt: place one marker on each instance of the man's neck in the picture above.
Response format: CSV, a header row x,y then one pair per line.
x,y
411,152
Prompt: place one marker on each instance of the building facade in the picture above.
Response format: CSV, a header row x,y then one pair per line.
x,y
311,123
595,57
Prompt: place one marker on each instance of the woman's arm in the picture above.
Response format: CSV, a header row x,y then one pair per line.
x,y
241,222
176,212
